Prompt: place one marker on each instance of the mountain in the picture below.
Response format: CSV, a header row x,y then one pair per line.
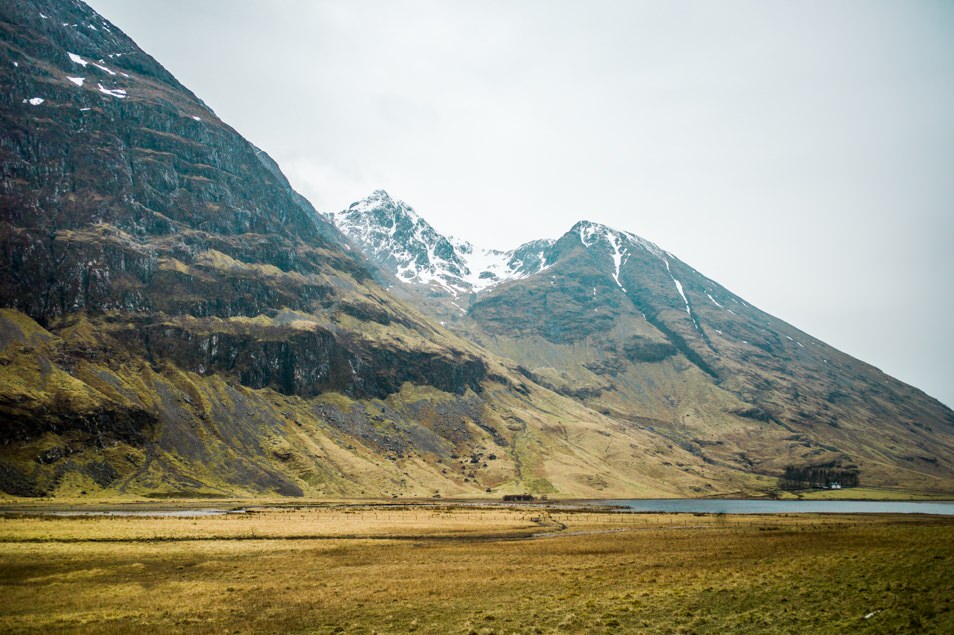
x,y
629,330
175,320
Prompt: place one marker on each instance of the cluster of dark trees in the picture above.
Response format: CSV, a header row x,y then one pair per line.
x,y
796,477
518,497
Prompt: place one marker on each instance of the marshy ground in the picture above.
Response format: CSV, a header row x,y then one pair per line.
x,y
469,569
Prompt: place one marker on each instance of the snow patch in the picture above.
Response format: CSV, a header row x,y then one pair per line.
x,y
197,118
34,101
618,254
714,301
680,290
118,93
684,299
77,80
104,69
76,59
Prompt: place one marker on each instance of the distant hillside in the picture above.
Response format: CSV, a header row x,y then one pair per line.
x,y
629,330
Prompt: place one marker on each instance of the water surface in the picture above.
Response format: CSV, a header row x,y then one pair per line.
x,y
737,506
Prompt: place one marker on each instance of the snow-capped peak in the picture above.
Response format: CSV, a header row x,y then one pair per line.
x,y
393,234
619,244
591,233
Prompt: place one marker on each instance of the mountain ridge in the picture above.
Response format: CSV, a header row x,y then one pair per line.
x,y
637,310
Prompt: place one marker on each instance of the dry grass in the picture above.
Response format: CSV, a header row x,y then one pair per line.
x,y
463,570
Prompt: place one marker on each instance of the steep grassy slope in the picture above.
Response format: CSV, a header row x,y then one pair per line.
x,y
83,416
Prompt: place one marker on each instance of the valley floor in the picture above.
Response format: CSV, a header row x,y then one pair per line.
x,y
475,569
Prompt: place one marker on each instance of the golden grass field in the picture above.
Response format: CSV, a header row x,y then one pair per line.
x,y
459,569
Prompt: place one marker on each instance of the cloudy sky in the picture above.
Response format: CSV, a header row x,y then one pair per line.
x,y
799,153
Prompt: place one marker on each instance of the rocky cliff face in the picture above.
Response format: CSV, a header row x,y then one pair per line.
x,y
114,174
631,331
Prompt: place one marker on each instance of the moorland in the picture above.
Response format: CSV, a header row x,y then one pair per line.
x,y
474,568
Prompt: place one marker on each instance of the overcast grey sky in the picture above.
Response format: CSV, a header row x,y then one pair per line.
x,y
799,153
